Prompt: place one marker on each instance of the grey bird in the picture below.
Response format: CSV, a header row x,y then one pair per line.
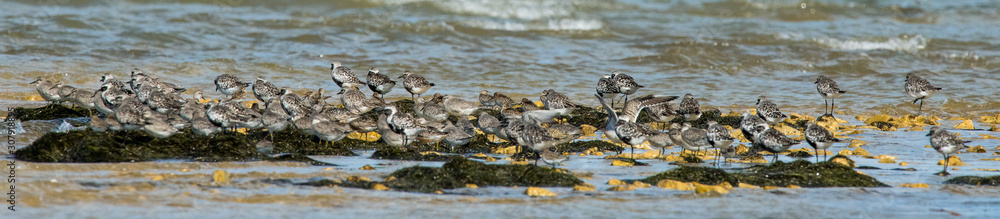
x,y
829,90
919,89
819,138
945,143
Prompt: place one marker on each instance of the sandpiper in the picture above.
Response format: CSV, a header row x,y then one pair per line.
x,y
751,125
829,90
634,106
265,91
690,108
201,125
488,123
606,88
229,84
379,83
552,157
293,105
660,140
459,107
48,90
503,100
774,141
65,93
355,101
626,84
157,127
694,139
624,131
718,137
274,118
662,114
113,123
130,114
97,124
415,84
945,143
456,136
389,136
528,105
164,102
430,110
919,88
402,123
328,130
819,138
487,100
769,111
138,78
343,76
553,100
192,106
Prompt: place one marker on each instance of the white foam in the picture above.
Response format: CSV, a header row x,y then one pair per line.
x,y
551,24
908,44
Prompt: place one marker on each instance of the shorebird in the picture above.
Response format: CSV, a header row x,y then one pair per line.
x,y
660,140
819,138
355,101
553,100
163,102
415,84
456,136
919,88
402,123
201,125
488,123
751,125
97,124
459,107
274,118
130,114
718,137
769,111
636,105
487,100
329,130
265,91
229,84
230,113
192,106
379,83
690,108
606,88
389,136
113,124
85,98
552,157
503,100
829,90
156,126
102,106
343,76
294,106
694,139
65,93
626,84
774,141
431,111
624,131
528,105
47,90
945,143
138,78
662,114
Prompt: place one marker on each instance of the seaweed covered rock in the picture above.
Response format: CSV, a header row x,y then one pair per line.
x,y
49,112
799,173
586,115
90,146
975,180
460,171
294,141
581,146
394,153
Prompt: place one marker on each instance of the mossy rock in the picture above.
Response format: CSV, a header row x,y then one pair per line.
x,y
800,154
294,141
801,173
460,171
49,112
395,153
90,146
975,180
581,146
586,115
404,105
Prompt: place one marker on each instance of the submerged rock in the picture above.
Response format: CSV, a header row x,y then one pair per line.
x,y
49,112
975,180
394,153
800,173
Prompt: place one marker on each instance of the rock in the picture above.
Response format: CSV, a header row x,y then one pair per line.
x,y
220,177
953,161
975,180
538,192
967,124
584,188
367,167
977,149
380,187
673,184
857,143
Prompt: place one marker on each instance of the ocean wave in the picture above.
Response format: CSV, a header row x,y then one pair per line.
x,y
567,24
907,44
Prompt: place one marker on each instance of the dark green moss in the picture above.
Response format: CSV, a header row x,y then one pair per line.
x,y
89,146
975,180
586,115
882,125
404,105
294,141
800,154
49,112
394,153
525,154
580,146
299,158
460,171
801,173
691,158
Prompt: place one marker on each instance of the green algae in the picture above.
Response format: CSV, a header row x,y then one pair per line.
x,y
586,115
801,173
395,153
49,112
132,146
975,180
581,146
800,154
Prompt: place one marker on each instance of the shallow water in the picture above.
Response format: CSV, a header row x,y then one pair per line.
x,y
726,53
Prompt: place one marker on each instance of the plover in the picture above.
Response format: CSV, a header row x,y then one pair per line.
x,y
769,111
718,137
229,84
379,83
819,138
343,76
459,107
528,105
624,131
130,114
456,137
553,100
293,105
919,88
487,100
274,118
265,91
634,106
504,100
487,123
415,84
355,101
660,140
829,90
402,123
945,143
97,124
751,125
606,88
775,142
430,110
99,103
192,106
138,78
694,139
389,136
164,102
156,126
690,108
626,84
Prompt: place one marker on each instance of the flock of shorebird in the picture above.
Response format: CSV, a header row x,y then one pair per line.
x,y
156,107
